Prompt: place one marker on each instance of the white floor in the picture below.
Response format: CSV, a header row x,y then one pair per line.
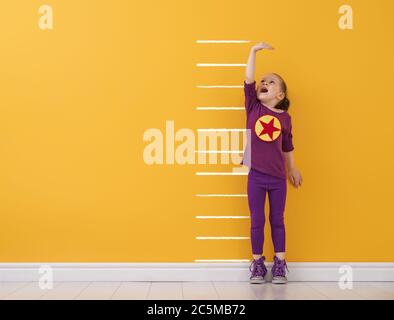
x,y
195,291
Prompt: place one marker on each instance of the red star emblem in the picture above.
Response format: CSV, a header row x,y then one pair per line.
x,y
268,128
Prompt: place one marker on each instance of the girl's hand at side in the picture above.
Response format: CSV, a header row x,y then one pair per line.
x,y
262,45
295,177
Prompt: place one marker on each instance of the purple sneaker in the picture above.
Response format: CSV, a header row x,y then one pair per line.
x,y
279,271
258,270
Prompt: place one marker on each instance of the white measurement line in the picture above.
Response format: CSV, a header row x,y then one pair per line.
x,y
219,108
222,260
222,238
222,217
221,87
221,173
221,65
209,195
218,151
221,130
222,41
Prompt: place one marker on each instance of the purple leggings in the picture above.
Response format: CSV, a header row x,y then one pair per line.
x,y
258,184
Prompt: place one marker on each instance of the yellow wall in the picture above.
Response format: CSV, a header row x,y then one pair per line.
x,y
75,102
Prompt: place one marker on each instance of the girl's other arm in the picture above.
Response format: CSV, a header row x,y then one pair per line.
x,y
293,172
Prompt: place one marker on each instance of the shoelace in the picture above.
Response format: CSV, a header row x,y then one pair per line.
x,y
280,266
256,267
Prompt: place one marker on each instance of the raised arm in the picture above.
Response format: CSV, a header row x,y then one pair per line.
x,y
250,67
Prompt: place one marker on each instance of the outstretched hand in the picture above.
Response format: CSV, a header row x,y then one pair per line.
x,y
261,46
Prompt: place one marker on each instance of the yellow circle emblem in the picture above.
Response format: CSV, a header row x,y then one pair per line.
x,y
268,128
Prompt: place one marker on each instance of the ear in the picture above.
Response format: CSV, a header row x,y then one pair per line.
x,y
281,96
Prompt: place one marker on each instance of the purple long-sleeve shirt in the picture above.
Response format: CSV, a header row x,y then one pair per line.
x,y
271,135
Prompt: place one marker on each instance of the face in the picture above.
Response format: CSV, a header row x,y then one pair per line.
x,y
269,89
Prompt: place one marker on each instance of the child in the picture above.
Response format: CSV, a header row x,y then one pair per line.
x,y
271,149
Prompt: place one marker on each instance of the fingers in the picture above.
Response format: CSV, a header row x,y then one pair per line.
x,y
296,181
264,45
268,46
299,181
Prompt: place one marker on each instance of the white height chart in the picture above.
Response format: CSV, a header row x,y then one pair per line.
x,y
235,172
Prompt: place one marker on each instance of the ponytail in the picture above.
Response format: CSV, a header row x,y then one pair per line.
x,y
284,104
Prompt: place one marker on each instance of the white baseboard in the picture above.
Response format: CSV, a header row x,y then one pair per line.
x,y
299,271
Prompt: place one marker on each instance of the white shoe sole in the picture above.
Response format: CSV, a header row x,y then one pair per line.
x,y
279,280
257,281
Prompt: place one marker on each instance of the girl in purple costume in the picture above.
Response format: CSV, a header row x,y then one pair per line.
x,y
270,152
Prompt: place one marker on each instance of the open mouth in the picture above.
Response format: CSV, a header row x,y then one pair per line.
x,y
264,90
